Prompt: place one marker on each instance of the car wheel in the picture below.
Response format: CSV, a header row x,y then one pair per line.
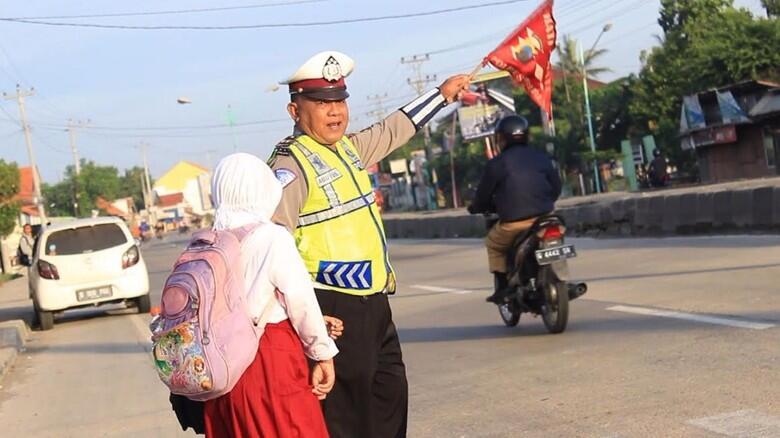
x,y
143,303
45,319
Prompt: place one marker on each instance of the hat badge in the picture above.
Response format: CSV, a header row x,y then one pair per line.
x,y
332,70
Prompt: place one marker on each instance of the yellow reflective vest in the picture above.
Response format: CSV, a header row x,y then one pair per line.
x,y
340,234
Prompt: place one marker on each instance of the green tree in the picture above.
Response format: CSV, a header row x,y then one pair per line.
x,y
59,198
772,7
675,15
611,112
130,185
93,182
9,188
569,59
706,44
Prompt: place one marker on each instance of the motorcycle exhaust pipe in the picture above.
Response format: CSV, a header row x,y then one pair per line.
x,y
577,290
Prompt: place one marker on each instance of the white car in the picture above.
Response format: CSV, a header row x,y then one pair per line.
x,y
86,262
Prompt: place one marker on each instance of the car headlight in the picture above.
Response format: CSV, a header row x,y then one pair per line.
x,y
131,257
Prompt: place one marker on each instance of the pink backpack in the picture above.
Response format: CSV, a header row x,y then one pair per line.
x,y
203,339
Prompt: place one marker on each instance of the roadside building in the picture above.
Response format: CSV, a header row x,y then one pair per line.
x,y
734,130
28,214
182,196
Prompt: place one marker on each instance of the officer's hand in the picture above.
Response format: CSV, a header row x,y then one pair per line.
x,y
335,326
323,377
452,87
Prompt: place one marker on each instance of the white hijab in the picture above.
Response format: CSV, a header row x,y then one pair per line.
x,y
244,190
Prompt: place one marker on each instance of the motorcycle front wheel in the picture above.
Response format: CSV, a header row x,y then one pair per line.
x,y
555,311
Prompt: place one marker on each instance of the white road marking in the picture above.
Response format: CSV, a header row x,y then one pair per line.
x,y
445,290
741,424
732,322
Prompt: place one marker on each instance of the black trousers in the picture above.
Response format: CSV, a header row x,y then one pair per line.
x,y
371,396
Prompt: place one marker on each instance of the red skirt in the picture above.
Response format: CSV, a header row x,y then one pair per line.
x,y
273,398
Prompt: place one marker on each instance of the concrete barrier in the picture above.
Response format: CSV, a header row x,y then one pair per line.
x,y
13,338
741,210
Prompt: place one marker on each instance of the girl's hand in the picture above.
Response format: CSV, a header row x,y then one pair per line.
x,y
323,377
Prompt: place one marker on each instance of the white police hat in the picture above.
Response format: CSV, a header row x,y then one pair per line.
x,y
322,76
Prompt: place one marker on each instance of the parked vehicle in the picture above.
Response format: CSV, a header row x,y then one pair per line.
x,y
538,275
84,263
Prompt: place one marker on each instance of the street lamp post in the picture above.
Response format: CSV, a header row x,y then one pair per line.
x,y
597,180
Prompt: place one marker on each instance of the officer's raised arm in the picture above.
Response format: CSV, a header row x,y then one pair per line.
x,y
379,140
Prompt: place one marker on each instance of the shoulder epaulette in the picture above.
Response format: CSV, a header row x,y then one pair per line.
x,y
281,149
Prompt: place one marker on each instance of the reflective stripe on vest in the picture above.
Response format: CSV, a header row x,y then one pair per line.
x,y
339,210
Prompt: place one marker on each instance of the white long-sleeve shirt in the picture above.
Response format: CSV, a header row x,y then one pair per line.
x,y
271,262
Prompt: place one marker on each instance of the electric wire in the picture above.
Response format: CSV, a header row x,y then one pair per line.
x,y
269,25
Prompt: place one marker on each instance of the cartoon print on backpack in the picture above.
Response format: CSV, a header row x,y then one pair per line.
x,y
179,359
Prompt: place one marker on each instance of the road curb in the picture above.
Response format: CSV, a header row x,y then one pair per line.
x,y
13,338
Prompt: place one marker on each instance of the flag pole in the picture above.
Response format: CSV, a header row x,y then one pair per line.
x,y
476,70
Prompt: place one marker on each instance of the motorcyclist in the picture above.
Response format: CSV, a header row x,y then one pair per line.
x,y
520,184
657,171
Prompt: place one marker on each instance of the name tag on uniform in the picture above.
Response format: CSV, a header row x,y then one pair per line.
x,y
328,177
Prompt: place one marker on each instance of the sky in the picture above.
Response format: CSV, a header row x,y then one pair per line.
x,y
124,84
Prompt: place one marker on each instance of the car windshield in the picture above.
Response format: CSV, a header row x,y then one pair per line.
x,y
84,240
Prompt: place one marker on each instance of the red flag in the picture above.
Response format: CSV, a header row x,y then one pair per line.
x,y
526,54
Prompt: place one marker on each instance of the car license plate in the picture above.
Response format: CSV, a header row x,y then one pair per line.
x,y
550,255
94,294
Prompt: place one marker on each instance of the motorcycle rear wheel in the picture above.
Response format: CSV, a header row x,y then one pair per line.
x,y
555,311
509,314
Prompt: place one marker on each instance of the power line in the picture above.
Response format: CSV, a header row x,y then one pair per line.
x,y
599,22
267,25
173,128
171,12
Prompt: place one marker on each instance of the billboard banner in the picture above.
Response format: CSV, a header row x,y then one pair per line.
x,y
478,121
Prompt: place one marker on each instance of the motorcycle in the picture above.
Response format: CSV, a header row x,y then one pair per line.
x,y
538,275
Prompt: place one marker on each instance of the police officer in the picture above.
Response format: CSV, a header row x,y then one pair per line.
x,y
520,184
329,205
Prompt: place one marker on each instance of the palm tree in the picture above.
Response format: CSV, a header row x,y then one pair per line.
x,y
569,62
569,59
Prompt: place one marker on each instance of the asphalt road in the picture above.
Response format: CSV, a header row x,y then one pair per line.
x,y
676,337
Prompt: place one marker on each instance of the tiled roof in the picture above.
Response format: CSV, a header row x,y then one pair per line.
x,y
170,200
108,208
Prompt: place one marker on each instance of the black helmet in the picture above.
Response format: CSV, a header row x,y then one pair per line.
x,y
656,152
512,130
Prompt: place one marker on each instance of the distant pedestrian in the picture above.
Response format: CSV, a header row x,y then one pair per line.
x,y
275,397
26,244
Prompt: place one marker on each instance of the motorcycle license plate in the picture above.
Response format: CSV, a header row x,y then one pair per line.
x,y
550,255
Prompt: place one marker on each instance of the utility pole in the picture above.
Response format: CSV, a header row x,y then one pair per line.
x,y
419,83
19,97
379,112
72,127
452,160
149,199
588,115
